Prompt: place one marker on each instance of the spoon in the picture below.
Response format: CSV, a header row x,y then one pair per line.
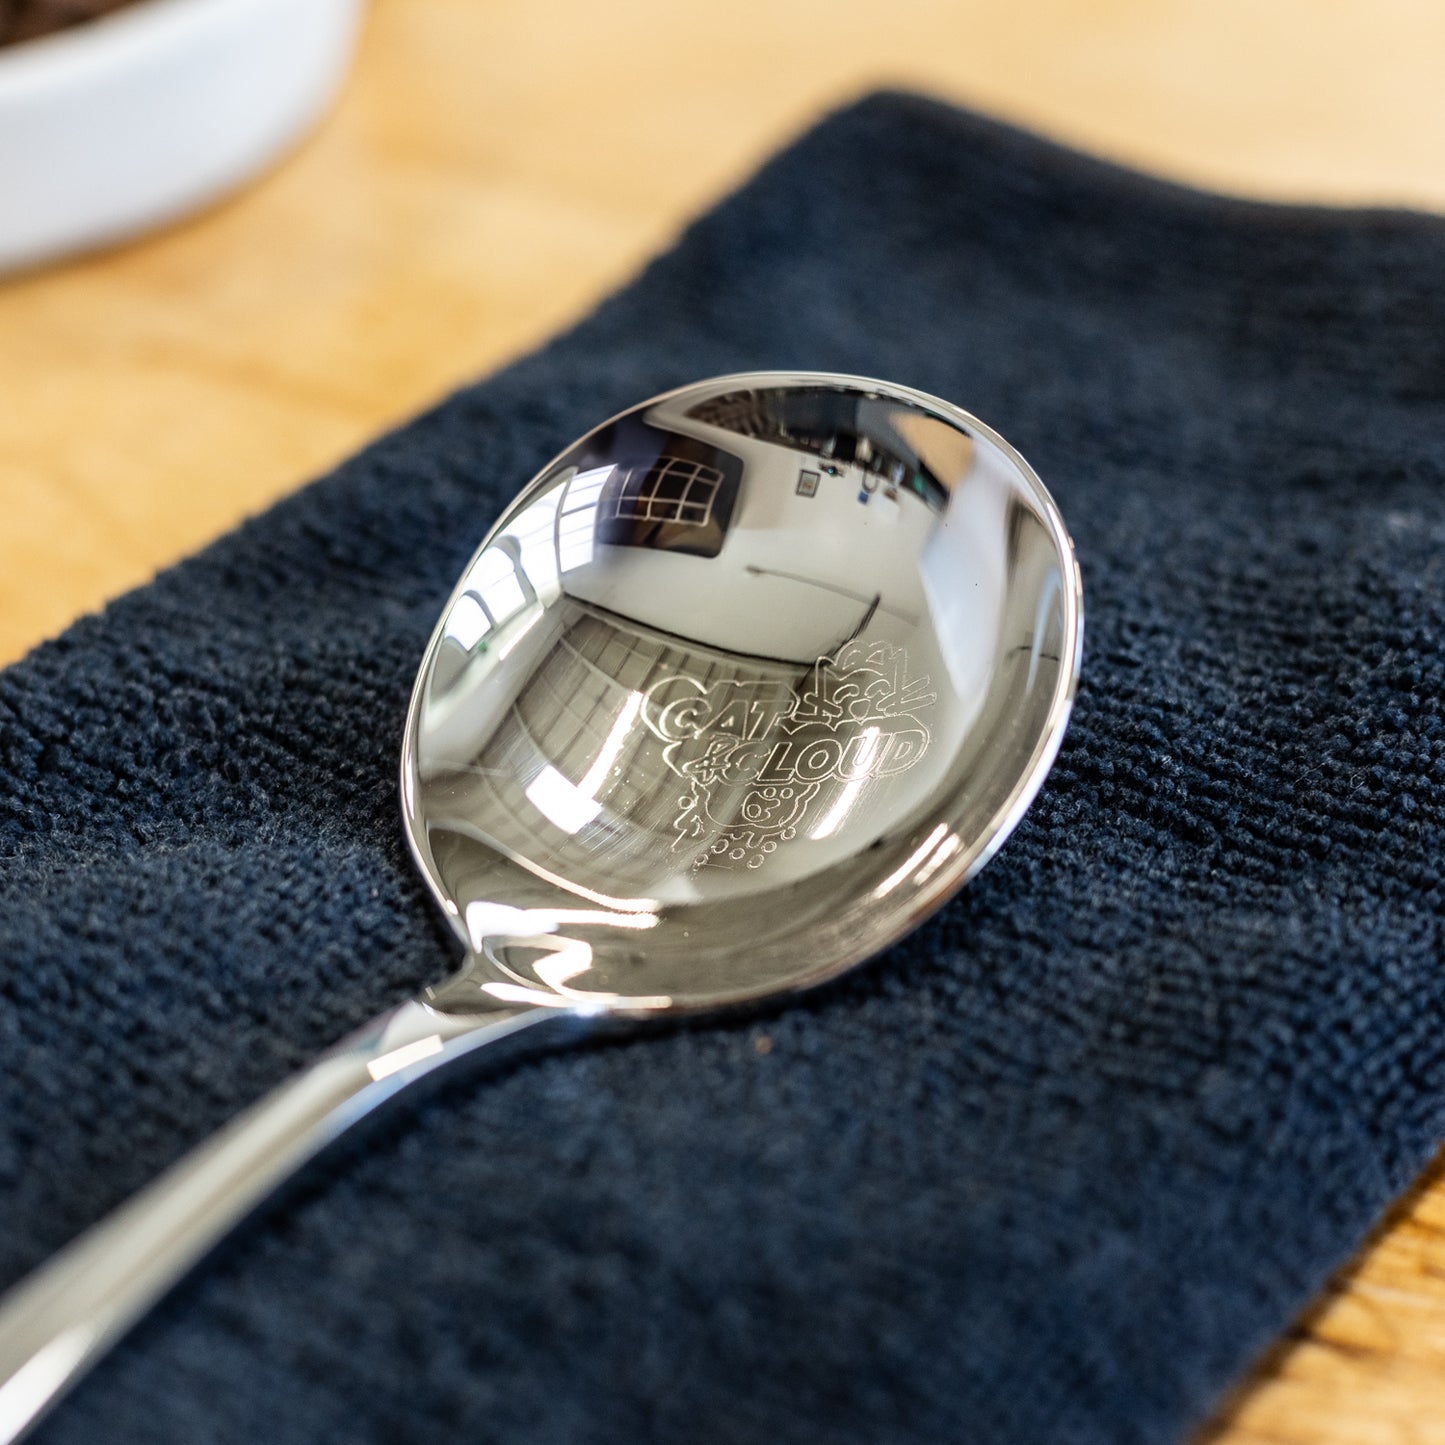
x,y
740,689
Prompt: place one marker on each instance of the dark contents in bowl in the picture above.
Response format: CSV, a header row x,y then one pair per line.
x,y
26,19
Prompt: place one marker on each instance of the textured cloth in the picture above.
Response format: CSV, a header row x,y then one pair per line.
x,y
1054,1169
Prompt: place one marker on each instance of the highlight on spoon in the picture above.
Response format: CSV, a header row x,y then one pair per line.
x,y
742,686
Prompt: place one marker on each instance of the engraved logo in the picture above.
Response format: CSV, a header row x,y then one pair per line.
x,y
763,760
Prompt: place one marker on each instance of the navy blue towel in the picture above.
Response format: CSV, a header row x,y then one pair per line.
x,y
1053,1170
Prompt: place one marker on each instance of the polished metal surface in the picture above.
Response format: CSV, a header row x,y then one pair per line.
x,y
741,688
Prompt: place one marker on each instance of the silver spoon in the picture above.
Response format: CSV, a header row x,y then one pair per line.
x,y
741,688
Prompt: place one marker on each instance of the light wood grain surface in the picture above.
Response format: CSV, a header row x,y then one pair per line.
x,y
496,165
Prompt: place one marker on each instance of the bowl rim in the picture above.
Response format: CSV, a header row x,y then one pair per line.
x,y
137,27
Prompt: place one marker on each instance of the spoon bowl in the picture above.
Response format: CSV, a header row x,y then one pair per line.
x,y
739,690
741,687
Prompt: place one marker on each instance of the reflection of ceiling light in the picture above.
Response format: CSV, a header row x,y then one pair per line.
x,y
561,802
577,525
833,818
596,775
914,860
486,920
571,957
398,1059
574,1002
946,850
573,916
571,806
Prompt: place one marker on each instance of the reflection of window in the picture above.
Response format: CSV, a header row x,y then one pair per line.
x,y
534,530
497,589
680,502
578,520
496,582
467,623
673,489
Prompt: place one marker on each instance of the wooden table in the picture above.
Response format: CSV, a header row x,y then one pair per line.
x,y
496,165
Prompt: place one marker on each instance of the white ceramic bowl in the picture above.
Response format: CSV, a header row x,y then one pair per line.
x,y
124,122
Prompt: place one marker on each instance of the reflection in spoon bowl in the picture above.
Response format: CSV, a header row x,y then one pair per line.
x,y
799,645
739,690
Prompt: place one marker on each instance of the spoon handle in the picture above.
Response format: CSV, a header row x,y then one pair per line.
x,y
56,1323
